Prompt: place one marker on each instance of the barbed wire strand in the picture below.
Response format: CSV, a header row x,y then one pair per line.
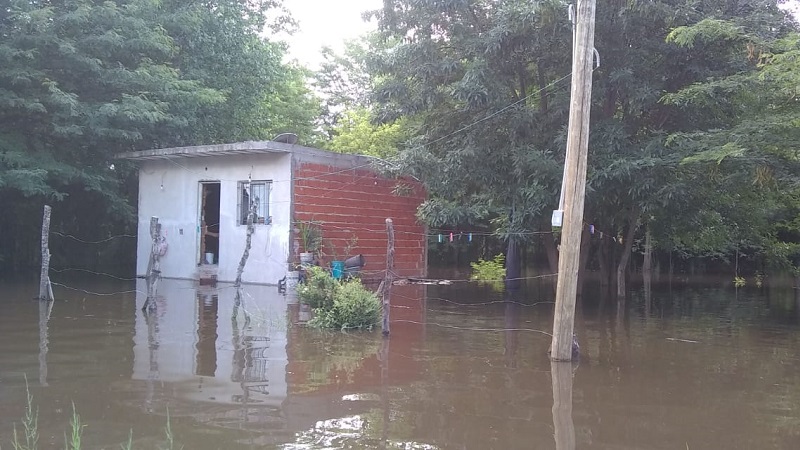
x,y
75,269
69,236
101,294
454,327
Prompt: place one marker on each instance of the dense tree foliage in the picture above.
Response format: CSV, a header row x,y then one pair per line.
x,y
82,80
344,83
485,82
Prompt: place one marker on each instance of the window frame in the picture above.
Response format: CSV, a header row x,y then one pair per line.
x,y
243,187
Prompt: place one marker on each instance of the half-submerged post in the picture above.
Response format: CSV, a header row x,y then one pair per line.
x,y
250,230
564,427
388,279
574,182
45,290
153,265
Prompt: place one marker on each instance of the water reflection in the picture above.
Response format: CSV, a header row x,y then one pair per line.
x,y
561,375
235,370
45,309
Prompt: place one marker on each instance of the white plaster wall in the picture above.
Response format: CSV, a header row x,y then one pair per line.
x,y
170,190
175,334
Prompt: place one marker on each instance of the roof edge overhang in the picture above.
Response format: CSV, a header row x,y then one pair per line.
x,y
238,148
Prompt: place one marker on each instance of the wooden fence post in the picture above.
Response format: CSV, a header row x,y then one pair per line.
x,y
44,277
250,229
153,265
388,277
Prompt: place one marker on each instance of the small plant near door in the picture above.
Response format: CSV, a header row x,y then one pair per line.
x,y
310,234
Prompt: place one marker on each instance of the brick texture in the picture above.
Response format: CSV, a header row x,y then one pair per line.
x,y
356,203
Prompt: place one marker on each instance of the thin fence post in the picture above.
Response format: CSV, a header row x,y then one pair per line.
x,y
45,290
153,265
388,277
250,230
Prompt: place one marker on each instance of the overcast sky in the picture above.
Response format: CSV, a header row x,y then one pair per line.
x,y
331,22
326,22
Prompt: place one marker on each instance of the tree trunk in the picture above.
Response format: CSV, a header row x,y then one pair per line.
x,y
626,253
513,269
586,246
605,275
551,251
647,264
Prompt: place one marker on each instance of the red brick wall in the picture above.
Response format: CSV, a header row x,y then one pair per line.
x,y
356,202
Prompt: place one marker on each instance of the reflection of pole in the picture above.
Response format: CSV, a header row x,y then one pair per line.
x,y
239,363
151,319
384,357
44,318
389,277
561,374
575,182
511,333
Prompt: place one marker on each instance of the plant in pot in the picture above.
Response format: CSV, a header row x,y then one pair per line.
x,y
310,234
338,268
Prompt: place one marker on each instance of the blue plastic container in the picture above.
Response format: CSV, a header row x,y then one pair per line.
x,y
337,269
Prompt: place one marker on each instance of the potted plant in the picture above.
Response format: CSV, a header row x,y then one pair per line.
x,y
310,234
338,268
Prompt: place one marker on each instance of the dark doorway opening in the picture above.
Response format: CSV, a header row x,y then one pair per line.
x,y
209,222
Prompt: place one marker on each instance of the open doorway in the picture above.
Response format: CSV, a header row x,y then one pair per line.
x,y
209,222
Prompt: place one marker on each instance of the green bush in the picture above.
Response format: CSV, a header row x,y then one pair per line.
x,y
489,271
339,305
318,289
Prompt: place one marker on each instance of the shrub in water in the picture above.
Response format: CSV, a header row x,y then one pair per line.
x,y
318,289
339,305
490,271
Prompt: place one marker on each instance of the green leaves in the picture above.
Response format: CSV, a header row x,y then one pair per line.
x,y
82,81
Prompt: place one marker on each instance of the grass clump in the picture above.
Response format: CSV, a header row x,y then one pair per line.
x,y
339,304
492,270
30,425
73,441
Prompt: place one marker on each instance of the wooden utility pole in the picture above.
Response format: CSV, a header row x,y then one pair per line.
x,y
574,181
44,277
386,285
564,426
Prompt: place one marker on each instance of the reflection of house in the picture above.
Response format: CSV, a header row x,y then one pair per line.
x,y
201,196
213,348
242,364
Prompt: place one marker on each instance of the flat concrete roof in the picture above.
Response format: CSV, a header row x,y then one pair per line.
x,y
308,154
238,148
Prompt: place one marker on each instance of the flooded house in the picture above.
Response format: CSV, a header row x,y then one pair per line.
x,y
201,196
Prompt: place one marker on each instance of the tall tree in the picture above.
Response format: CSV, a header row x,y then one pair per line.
x,y
81,81
485,82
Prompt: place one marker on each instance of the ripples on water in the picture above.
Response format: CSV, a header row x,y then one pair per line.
x,y
701,367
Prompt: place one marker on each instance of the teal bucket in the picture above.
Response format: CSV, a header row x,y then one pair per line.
x,y
337,269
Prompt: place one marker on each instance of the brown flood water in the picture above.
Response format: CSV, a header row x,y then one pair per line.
x,y
700,367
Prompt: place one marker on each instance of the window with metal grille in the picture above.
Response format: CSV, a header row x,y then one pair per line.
x,y
254,193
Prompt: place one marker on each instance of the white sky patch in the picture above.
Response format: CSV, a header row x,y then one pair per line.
x,y
326,22
332,22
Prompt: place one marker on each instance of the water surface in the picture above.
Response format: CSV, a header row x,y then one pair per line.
x,y
700,367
